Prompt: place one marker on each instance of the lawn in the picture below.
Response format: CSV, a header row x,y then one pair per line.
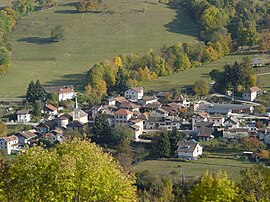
x,y
129,27
193,169
5,3
187,78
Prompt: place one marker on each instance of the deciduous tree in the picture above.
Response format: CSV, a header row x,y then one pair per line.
x,y
215,188
73,171
201,87
58,33
3,130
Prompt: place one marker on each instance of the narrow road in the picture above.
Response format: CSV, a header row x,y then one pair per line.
x,y
261,74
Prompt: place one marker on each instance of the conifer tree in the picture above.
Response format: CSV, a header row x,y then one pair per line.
x,y
164,147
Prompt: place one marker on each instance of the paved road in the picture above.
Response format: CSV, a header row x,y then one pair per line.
x,y
261,74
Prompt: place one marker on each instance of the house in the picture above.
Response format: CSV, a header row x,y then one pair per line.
x,y
46,126
24,116
134,94
75,125
9,143
251,94
182,100
129,106
219,111
205,133
63,92
189,150
62,121
116,100
26,137
147,99
50,109
196,118
151,106
257,62
137,127
53,136
159,112
122,117
232,122
218,121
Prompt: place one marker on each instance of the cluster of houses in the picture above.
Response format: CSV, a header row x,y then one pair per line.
x,y
144,114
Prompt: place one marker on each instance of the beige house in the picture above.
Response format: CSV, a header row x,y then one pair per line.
x,y
9,143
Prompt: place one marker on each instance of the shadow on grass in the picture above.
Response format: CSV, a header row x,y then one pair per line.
x,y
75,12
66,12
71,4
78,80
36,40
183,24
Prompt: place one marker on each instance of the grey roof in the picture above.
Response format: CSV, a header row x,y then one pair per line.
x,y
218,110
74,124
56,89
188,147
24,111
155,119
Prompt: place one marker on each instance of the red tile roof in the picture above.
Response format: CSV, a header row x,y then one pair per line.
x,y
10,138
51,107
123,112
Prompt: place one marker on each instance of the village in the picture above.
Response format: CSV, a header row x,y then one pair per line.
x,y
202,120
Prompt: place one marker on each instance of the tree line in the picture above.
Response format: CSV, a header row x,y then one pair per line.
x,y
235,22
130,70
237,77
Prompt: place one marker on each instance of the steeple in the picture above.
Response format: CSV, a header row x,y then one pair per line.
x,y
76,102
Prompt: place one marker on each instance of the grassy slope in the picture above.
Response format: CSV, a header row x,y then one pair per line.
x,y
187,78
89,38
193,169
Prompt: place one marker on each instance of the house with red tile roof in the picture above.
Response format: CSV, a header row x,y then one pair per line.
x,y
122,117
62,92
9,143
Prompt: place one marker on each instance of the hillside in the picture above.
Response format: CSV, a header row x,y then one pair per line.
x,y
130,27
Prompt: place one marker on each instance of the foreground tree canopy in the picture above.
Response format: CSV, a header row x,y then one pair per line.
x,y
74,171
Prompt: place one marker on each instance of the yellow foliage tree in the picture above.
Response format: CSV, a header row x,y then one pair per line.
x,y
118,61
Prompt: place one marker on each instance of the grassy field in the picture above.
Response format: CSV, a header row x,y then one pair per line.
x,y
187,78
131,26
193,169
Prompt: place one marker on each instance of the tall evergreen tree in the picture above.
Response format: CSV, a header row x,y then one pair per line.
x,y
37,109
163,146
174,137
30,94
40,93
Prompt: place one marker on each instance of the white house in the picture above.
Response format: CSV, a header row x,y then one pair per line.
x,y
135,93
122,117
189,150
23,116
62,92
9,143
137,127
26,137
251,94
216,120
50,109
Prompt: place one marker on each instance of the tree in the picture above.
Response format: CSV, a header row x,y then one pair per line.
x,y
31,92
4,59
23,7
122,133
40,92
264,41
260,109
163,146
251,143
3,130
201,87
214,187
101,127
37,110
73,171
124,154
255,184
175,136
58,33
